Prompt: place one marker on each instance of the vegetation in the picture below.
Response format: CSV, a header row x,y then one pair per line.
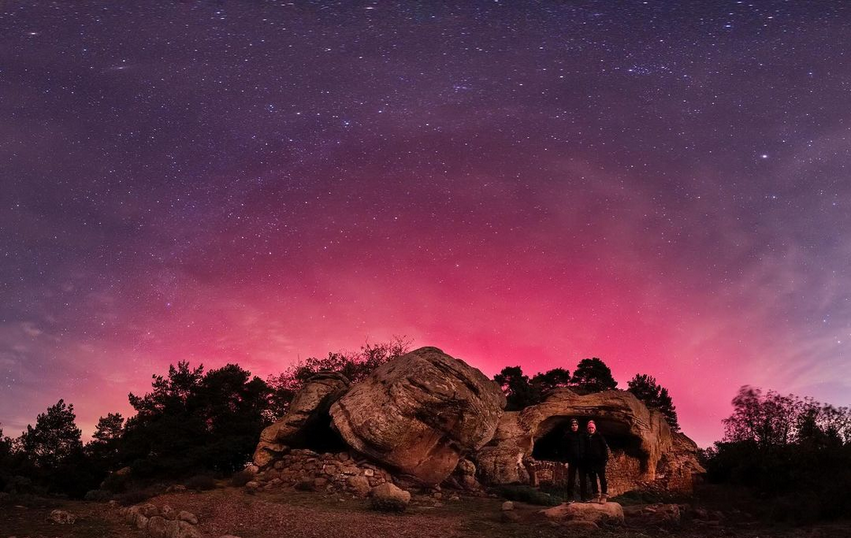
x,y
793,452
193,424
654,396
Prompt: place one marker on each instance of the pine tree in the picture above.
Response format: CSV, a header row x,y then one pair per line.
x,y
654,396
592,375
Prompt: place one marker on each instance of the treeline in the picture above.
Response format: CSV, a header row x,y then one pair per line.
x,y
193,422
590,375
793,453
197,423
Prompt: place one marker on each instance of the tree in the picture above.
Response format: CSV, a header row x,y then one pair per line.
x,y
518,390
654,396
109,428
354,366
55,437
552,379
767,419
592,375
103,450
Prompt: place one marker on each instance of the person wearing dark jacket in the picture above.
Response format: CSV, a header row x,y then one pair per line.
x,y
573,446
596,457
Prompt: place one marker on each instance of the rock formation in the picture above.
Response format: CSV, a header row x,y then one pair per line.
x,y
420,413
433,419
644,449
306,417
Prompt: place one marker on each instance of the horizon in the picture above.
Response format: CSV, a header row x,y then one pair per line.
x,y
660,185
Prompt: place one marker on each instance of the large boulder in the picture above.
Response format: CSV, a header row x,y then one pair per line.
x,y
420,413
645,450
611,513
307,412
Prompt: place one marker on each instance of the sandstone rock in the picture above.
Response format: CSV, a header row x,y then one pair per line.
x,y
308,408
168,512
252,485
188,517
62,517
149,510
507,505
660,455
186,530
596,513
389,498
141,521
580,525
654,514
359,485
160,527
420,413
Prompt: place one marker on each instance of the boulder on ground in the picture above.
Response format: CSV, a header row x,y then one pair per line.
x,y
389,498
420,413
359,485
188,517
593,512
62,517
654,514
308,409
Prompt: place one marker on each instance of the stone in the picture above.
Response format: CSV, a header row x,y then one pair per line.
x,y
168,512
62,517
509,517
188,517
389,498
507,506
655,454
654,514
581,525
609,512
160,527
252,485
308,409
186,530
141,521
359,485
149,510
420,413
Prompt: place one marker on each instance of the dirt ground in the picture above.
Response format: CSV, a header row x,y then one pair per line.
x,y
293,514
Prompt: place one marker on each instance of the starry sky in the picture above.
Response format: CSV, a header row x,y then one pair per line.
x,y
662,184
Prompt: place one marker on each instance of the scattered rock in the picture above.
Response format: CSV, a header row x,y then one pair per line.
x,y
359,485
188,517
177,488
62,517
419,412
509,516
148,510
654,514
507,505
389,498
596,513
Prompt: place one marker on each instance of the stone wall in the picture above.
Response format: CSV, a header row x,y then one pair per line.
x,y
331,472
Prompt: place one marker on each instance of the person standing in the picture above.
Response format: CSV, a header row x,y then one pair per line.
x,y
573,446
596,458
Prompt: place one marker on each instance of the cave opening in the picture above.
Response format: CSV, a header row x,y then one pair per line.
x,y
319,436
548,440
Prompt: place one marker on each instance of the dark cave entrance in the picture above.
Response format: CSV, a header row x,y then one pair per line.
x,y
548,439
318,435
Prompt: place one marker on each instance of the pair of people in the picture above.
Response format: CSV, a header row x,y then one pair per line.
x,y
587,453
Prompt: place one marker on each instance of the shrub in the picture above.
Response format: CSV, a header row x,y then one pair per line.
x,y
201,482
97,495
241,478
134,497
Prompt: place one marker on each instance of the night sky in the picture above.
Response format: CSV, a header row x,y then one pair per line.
x,y
662,184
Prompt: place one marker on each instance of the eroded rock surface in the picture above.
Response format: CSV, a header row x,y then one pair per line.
x,y
308,412
645,450
420,413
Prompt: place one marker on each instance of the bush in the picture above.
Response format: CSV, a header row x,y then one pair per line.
x,y
134,497
528,494
97,495
241,478
116,483
201,482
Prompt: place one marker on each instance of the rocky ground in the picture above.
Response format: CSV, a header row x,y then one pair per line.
x,y
289,513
